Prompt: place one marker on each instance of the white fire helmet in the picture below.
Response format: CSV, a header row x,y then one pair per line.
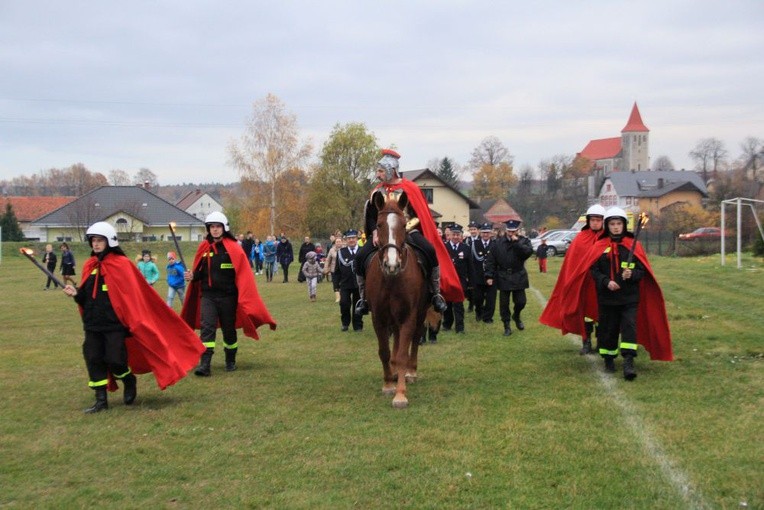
x,y
595,210
217,217
103,229
616,212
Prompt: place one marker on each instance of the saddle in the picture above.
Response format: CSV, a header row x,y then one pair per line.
x,y
421,258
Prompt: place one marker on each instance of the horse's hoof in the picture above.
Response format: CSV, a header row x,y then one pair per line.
x,y
400,403
411,378
388,391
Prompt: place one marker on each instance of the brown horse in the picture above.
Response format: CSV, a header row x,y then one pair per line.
x,y
398,298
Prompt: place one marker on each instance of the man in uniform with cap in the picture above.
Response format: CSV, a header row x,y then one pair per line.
x,y
460,257
473,229
505,265
444,284
344,275
484,295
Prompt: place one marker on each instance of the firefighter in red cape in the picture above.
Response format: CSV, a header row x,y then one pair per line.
x,y
222,291
629,300
552,314
423,236
129,329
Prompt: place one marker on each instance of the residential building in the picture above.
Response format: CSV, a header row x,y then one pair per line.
x,y
199,203
652,192
27,209
447,204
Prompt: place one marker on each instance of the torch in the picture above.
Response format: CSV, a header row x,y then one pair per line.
x,y
177,246
642,220
28,253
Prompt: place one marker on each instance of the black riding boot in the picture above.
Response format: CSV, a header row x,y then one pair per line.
x,y
361,306
230,360
629,372
131,388
203,369
101,403
438,302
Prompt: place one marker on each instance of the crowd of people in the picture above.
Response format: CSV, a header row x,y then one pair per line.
x,y
605,284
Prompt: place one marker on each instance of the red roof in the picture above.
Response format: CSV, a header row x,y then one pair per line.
x,y
604,148
501,211
635,121
31,208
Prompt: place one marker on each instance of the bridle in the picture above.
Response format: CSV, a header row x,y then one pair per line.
x,y
401,250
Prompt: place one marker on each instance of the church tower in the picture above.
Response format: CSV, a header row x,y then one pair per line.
x,y
635,143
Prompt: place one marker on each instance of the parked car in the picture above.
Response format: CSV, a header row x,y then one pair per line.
x,y
558,241
702,233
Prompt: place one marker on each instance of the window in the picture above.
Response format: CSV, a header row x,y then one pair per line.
x,y
427,194
608,188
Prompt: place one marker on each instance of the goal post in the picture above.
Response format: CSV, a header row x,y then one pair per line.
x,y
739,203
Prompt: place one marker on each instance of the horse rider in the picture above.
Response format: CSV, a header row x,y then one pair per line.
x,y
422,235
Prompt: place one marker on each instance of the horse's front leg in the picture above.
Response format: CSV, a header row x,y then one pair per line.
x,y
403,339
388,379
411,369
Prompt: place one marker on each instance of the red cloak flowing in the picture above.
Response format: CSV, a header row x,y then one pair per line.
x,y
652,322
251,312
159,341
450,286
552,315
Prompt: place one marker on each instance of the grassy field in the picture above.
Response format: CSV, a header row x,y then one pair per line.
x,y
493,422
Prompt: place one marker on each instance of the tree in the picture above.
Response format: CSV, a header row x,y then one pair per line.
x,y
490,152
709,152
753,154
11,229
663,164
447,171
269,147
144,177
340,183
493,181
119,178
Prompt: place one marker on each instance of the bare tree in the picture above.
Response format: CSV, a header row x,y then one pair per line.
x,y
145,176
269,147
663,164
753,154
490,152
709,152
119,178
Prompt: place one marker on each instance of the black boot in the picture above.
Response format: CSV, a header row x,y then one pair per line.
x,y
361,306
203,369
587,347
609,365
629,372
230,360
438,302
101,403
131,388
518,321
507,328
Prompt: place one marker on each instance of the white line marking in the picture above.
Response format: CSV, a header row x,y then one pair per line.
x,y
673,473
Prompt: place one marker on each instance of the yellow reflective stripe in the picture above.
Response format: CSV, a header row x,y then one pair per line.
x,y
94,271
232,346
625,345
227,265
98,384
104,288
627,265
122,376
606,352
208,254
209,345
588,319
607,250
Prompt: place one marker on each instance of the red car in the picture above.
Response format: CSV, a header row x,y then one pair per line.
x,y
703,233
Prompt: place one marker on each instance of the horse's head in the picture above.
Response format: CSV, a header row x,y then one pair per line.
x,y
391,231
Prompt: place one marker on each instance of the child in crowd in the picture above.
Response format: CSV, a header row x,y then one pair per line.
x,y
176,283
67,265
541,255
148,268
50,260
312,270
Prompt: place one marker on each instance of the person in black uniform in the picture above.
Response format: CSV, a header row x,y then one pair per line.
x,y
484,295
473,229
505,265
460,256
344,275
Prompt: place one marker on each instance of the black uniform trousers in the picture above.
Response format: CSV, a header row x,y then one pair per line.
x,y
218,309
348,298
104,352
615,320
484,297
454,315
518,298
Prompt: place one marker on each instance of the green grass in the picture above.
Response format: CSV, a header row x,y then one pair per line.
x,y
493,422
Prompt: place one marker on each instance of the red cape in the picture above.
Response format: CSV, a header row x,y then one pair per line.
x,y
450,286
552,315
159,341
652,322
251,312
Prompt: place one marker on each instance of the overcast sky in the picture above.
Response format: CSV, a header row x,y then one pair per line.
x,y
165,85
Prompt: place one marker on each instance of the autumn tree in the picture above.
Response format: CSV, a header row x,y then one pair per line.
x,y
340,183
709,154
269,148
9,225
493,174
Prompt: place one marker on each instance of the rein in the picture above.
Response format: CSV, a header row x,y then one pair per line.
x,y
401,252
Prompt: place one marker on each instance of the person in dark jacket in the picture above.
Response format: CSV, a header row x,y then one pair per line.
x,y
460,257
483,295
284,256
505,267
50,260
302,256
247,245
67,265
345,278
541,255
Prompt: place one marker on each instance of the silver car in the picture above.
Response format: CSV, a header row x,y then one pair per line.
x,y
558,241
